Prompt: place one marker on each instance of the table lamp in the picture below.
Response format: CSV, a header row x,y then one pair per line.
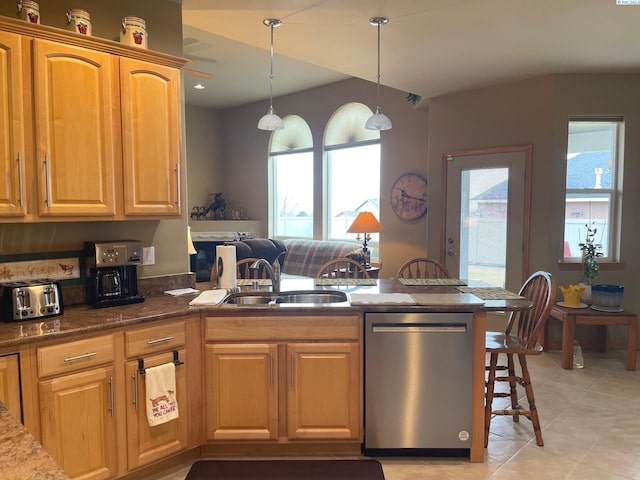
x,y
191,249
365,223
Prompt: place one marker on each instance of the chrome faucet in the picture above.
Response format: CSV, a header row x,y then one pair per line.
x,y
273,273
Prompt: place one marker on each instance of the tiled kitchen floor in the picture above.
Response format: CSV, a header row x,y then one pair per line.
x,y
591,429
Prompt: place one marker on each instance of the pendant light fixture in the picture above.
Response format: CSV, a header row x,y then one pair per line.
x,y
271,121
378,121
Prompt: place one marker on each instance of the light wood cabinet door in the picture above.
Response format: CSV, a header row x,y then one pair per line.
x,y
77,130
10,384
12,125
241,391
152,138
78,423
147,444
323,395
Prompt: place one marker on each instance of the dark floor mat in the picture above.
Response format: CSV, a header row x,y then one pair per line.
x,y
286,470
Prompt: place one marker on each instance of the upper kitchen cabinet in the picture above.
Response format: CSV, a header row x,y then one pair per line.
x,y
151,138
90,129
12,135
77,130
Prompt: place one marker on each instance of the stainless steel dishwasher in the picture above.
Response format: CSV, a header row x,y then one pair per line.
x,y
417,384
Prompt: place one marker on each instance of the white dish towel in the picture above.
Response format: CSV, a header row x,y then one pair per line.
x,y
162,405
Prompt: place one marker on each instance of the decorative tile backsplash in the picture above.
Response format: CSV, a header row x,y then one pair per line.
x,y
55,269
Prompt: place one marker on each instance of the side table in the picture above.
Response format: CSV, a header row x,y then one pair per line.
x,y
570,317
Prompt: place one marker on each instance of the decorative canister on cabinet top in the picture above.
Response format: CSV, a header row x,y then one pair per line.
x,y
79,21
29,11
134,32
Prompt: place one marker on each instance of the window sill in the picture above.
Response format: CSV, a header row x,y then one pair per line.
x,y
603,265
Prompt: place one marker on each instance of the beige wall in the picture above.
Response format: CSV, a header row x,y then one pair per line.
x,y
404,149
536,112
206,165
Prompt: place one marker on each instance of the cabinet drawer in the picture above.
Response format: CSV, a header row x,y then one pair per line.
x,y
76,355
274,328
143,341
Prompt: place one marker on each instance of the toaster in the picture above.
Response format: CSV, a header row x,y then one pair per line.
x,y
28,299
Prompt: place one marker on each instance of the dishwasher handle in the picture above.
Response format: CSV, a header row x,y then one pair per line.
x,y
419,328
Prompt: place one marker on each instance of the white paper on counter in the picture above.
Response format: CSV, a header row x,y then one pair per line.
x,y
181,291
381,299
209,297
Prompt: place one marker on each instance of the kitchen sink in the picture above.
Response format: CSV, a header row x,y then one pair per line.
x,y
250,298
294,296
312,296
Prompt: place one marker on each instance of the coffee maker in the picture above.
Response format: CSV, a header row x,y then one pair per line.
x,y
112,276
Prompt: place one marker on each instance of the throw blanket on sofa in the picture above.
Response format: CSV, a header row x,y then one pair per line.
x,y
305,257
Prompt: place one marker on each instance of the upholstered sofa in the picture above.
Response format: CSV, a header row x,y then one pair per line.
x,y
305,257
296,257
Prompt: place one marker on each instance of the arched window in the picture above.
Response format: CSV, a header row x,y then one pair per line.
x,y
291,180
351,170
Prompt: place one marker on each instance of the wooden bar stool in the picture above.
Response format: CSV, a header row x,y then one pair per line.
x,y
519,340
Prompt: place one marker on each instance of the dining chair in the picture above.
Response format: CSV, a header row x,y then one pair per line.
x,y
244,270
342,268
423,268
524,329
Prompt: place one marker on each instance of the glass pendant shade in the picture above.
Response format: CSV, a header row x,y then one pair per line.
x,y
271,121
378,121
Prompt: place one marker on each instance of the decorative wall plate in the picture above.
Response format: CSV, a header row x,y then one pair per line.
x,y
409,196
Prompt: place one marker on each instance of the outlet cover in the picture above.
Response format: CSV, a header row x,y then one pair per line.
x,y
148,255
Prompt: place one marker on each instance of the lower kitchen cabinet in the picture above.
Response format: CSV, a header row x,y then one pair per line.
x,y
77,395
91,398
148,347
147,444
242,399
10,383
284,379
78,422
322,400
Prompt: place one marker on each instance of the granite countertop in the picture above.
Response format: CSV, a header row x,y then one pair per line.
x,y
21,456
81,319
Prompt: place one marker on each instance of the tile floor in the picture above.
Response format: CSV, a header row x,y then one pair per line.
x,y
591,429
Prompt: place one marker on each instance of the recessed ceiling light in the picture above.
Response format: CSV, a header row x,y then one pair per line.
x,y
199,86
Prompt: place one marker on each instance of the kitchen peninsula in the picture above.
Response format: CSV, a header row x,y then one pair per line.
x,y
206,338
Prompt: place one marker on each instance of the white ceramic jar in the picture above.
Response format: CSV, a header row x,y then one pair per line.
x,y
79,21
133,32
29,11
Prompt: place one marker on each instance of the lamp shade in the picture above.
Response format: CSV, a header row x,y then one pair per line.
x,y
365,222
191,249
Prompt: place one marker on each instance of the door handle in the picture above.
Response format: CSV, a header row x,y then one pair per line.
x,y
47,180
20,180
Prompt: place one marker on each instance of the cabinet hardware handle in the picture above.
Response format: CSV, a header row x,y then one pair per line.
x,y
111,397
80,357
159,340
178,186
47,180
293,370
135,390
20,180
271,369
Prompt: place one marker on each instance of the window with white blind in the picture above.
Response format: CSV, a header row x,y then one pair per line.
x,y
593,185
291,179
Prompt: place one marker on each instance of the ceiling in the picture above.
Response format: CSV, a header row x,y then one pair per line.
x,y
429,47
